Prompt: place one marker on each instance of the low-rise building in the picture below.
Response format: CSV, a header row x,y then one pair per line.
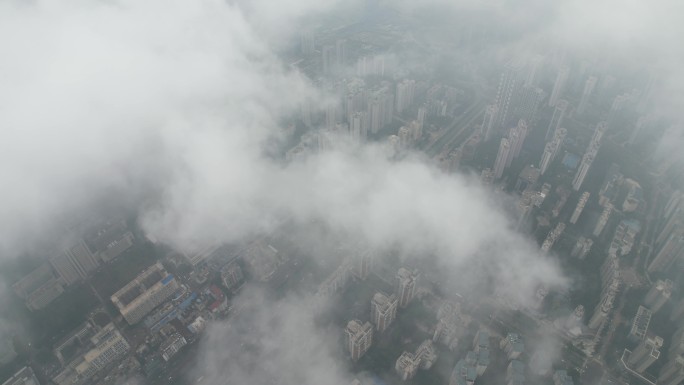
x,y
147,291
171,346
108,346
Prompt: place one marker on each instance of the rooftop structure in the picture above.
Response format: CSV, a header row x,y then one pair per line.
x,y
640,324
359,338
171,346
110,239
513,345
406,288
39,288
645,354
659,294
25,376
108,346
152,287
407,365
561,377
383,310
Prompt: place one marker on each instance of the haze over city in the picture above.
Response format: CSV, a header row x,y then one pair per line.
x,y
362,192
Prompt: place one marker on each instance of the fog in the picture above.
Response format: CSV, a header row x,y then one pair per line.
x,y
176,111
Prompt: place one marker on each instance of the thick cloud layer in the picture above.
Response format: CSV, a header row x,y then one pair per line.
x,y
164,107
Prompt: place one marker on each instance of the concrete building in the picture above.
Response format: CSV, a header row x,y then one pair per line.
x,y
363,262
659,294
677,311
109,239
171,346
603,220
25,376
673,372
407,365
306,42
405,95
383,310
7,352
340,53
588,90
561,377
559,85
108,346
427,354
552,237
481,341
147,291
406,287
589,156
624,237
580,206
327,58
582,170
513,346
677,345
515,373
359,338
582,247
517,137
551,149
39,288
529,100
75,262
509,83
231,275
645,354
557,118
672,250
464,373
489,123
501,158
640,324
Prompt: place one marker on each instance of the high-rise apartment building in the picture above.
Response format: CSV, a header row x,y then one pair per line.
x,y
517,138
489,122
407,365
582,170
673,372
359,338
340,53
603,219
582,247
506,93
406,287
557,118
306,42
589,86
589,156
559,85
405,95
147,291
328,58
501,157
671,251
580,207
659,294
645,354
383,310
528,101
551,149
